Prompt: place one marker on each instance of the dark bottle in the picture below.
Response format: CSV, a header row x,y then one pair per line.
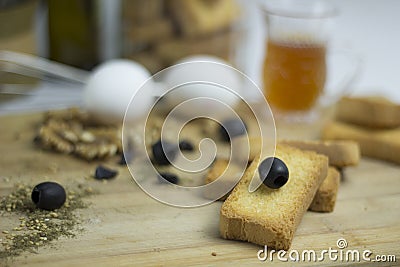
x,y
73,33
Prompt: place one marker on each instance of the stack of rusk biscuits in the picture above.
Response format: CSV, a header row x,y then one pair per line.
x,y
373,122
271,216
157,33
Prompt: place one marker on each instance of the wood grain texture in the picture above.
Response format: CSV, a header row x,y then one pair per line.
x,y
125,227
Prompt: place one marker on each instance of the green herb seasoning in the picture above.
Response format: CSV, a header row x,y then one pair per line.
x,y
37,227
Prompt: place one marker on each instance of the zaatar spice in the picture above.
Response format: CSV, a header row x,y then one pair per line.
x,y
37,227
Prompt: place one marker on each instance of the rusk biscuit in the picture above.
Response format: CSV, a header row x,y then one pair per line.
x,y
375,143
340,153
143,11
325,198
377,112
172,50
202,17
218,167
153,32
267,216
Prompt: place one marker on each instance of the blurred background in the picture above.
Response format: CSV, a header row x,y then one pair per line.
x,y
83,33
157,33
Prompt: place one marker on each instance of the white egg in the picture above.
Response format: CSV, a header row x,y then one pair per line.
x,y
198,76
110,88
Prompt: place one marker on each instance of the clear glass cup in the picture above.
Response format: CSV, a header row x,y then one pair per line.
x,y
298,60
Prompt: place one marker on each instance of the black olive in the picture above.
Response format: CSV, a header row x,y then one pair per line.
x,y
185,146
277,176
161,152
126,158
48,196
103,173
172,178
235,128
122,160
37,140
128,153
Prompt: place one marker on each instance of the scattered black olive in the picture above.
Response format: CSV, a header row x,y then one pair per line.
x,y
122,160
48,196
161,152
234,126
37,140
103,173
126,158
172,178
127,154
277,176
185,146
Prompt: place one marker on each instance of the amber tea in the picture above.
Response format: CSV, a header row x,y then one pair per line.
x,y
294,74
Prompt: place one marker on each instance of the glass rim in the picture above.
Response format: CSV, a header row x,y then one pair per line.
x,y
297,9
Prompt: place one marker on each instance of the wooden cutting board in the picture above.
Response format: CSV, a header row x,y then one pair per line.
x,y
125,227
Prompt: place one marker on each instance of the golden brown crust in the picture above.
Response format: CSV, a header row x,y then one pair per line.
x,y
377,112
325,198
340,153
380,144
270,217
216,170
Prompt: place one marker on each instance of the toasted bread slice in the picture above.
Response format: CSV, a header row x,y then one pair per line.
x,y
270,217
325,198
380,144
340,153
217,169
377,112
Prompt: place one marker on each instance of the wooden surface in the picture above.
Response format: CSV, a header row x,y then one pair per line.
x,y
125,227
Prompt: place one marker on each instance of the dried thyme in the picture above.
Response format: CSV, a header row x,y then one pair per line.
x,y
37,227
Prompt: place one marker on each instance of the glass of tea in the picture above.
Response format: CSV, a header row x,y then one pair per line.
x,y
296,68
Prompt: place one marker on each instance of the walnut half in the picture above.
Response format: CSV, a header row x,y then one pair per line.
x,y
71,132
